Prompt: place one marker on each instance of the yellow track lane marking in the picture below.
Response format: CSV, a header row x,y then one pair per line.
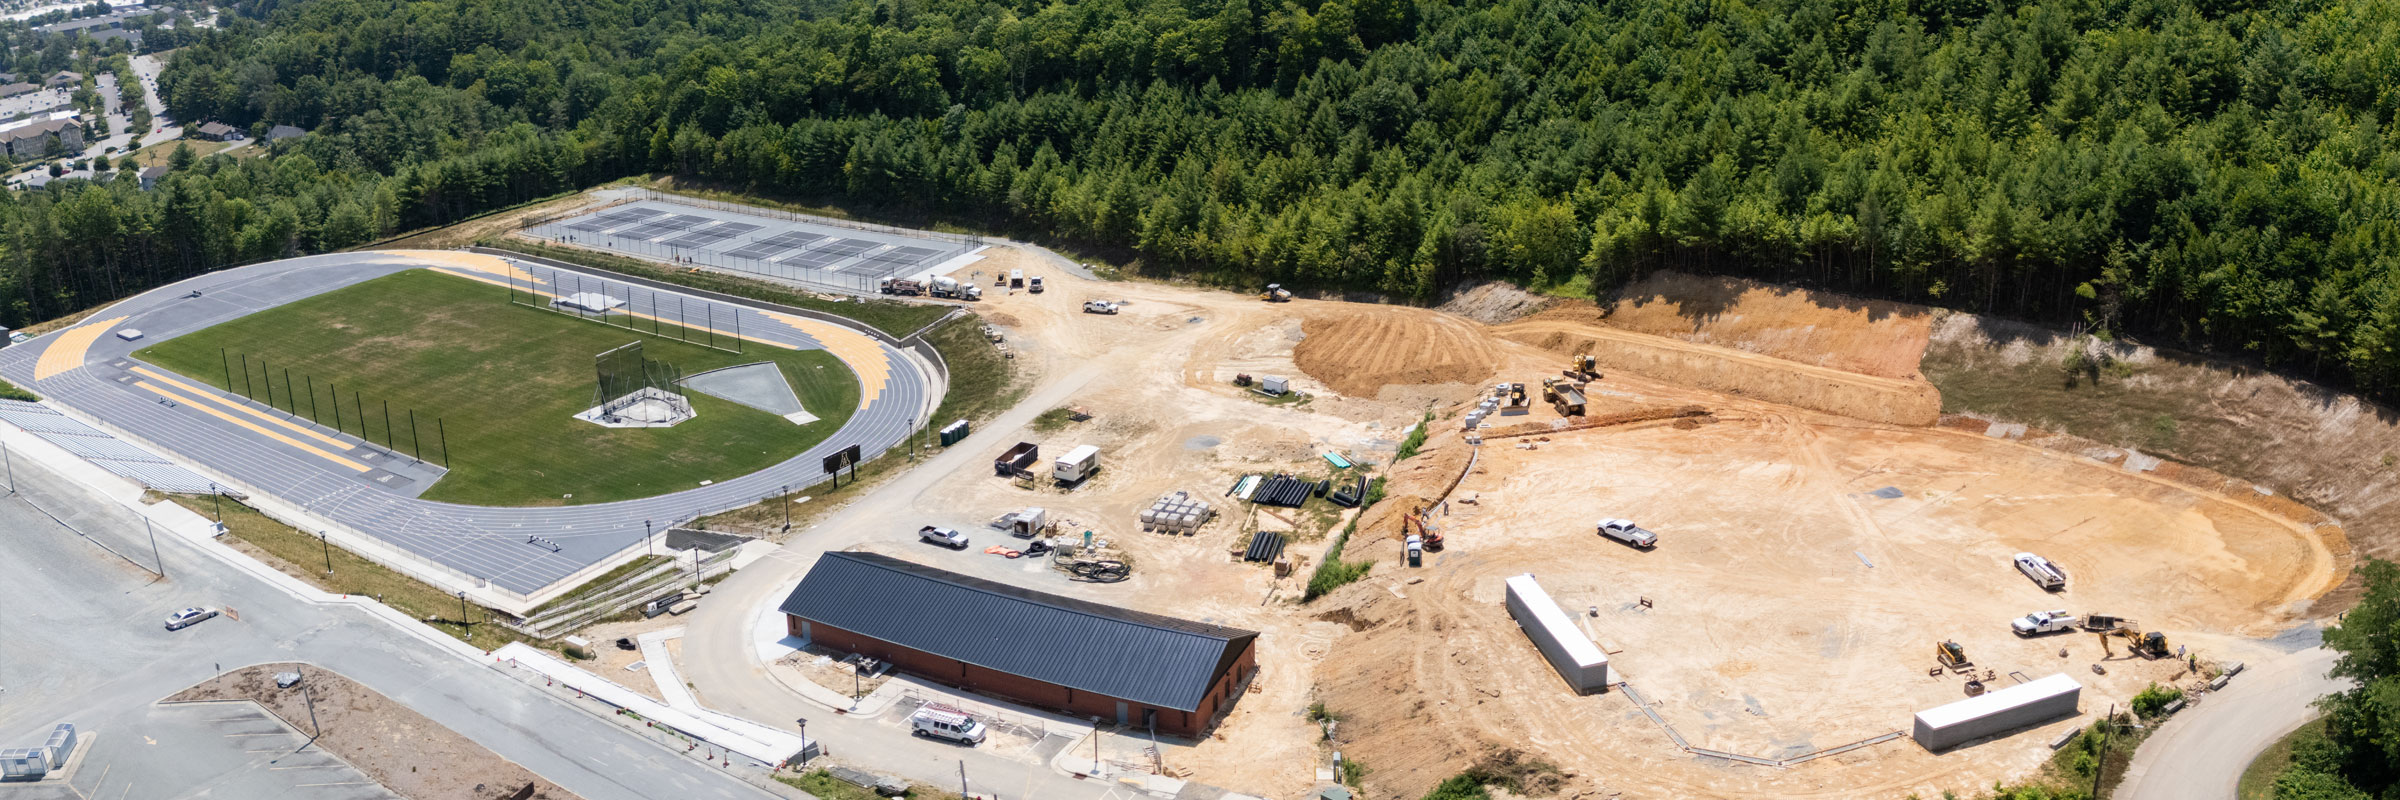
x,y
865,357
269,418
66,352
204,408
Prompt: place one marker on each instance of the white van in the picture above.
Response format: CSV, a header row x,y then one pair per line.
x,y
945,722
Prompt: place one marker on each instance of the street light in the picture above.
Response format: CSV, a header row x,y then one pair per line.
x,y
787,508
804,740
462,615
328,546
653,543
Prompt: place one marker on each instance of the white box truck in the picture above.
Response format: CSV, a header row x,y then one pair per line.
x,y
1077,464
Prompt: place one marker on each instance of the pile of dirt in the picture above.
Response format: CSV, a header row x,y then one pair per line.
x,y
1420,481
397,747
1869,337
1718,369
1358,351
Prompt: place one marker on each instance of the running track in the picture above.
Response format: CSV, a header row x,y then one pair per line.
x,y
91,374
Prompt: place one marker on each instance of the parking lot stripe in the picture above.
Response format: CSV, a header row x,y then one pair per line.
x,y
228,403
65,353
203,408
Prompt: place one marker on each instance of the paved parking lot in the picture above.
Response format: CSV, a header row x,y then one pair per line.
x,y
790,249
204,749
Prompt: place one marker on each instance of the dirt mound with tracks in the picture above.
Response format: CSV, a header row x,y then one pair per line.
x,y
1358,351
1734,372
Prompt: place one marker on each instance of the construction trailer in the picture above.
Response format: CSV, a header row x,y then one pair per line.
x,y
1077,464
1573,654
1994,713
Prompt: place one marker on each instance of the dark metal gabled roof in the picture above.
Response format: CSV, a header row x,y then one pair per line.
x,y
1121,653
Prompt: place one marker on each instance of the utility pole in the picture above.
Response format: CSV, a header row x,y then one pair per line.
x,y
312,707
2100,765
162,563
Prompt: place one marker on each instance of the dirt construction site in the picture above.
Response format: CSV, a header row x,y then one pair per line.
x,y
1819,535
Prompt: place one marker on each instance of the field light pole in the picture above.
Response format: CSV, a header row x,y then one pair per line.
x,y
162,563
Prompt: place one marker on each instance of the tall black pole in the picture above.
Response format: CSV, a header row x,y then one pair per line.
x,y
246,391
287,394
387,425
335,389
414,446
358,410
312,401
787,507
444,435
228,359
162,563
328,545
268,372
219,495
463,622
653,543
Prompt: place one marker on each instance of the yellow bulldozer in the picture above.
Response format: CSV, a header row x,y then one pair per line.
x,y
1952,656
1275,294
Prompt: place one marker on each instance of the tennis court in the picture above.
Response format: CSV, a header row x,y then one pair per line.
x,y
760,242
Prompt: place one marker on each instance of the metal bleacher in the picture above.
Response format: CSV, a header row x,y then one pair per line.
x,y
104,451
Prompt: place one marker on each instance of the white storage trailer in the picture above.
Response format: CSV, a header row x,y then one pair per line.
x,y
1991,714
1077,464
1574,655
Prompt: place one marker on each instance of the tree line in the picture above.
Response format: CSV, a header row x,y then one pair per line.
x,y
2210,174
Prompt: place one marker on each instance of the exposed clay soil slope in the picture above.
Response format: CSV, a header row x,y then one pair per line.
x,y
1870,337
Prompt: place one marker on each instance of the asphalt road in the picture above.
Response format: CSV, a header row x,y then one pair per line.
x,y
483,542
85,643
720,656
2200,754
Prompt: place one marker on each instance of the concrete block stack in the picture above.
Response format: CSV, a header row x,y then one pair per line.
x,y
1177,513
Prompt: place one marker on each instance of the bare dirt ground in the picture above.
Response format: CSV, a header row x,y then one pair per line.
x,y
1768,634
398,748
1868,337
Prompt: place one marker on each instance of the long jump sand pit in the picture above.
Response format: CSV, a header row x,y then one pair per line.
x,y
1791,605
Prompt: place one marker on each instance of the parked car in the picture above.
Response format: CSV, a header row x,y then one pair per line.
x,y
189,617
1624,530
943,722
942,536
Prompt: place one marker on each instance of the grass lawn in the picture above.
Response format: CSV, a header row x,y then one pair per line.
x,y
156,154
2258,782
302,556
982,383
12,391
506,381
824,785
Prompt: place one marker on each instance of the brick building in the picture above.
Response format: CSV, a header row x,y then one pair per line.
x,y
1078,657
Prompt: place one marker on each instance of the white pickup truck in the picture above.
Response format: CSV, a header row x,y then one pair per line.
x,y
942,536
1624,530
2041,571
2041,622
1099,307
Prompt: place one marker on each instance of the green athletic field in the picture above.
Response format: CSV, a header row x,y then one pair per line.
x,y
506,382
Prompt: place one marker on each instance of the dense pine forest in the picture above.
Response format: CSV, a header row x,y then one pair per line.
x,y
2210,174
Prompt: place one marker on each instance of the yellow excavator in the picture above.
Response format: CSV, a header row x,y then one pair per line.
x,y
1583,368
2147,645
